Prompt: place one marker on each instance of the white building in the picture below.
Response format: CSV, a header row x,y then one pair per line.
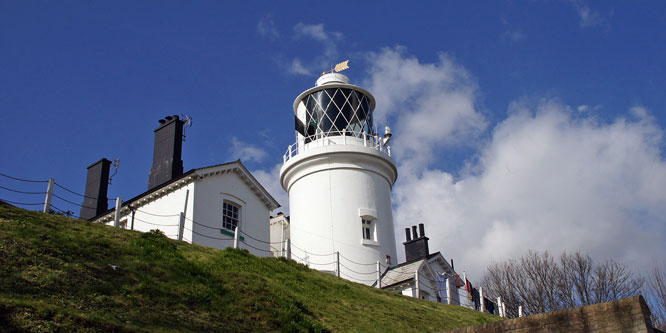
x,y
429,276
201,206
339,176
279,225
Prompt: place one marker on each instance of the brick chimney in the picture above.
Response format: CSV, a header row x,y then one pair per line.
x,y
97,185
167,162
416,247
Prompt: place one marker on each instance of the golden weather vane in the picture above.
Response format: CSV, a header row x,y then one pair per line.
x,y
339,67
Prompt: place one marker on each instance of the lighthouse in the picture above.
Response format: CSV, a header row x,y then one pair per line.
x,y
339,174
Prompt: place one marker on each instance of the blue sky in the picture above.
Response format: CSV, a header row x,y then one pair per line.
x,y
518,124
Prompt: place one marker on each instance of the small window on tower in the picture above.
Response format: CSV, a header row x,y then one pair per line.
x,y
367,229
230,215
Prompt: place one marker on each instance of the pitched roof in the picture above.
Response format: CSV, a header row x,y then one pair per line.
x,y
405,271
201,173
400,274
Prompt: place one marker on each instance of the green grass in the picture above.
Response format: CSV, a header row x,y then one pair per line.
x,y
56,275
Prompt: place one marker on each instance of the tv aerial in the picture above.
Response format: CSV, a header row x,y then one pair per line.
x,y
116,166
188,123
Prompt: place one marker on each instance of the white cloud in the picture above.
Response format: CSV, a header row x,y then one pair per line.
x,y
314,31
550,176
266,27
587,17
432,104
328,41
513,36
547,181
270,179
298,68
246,151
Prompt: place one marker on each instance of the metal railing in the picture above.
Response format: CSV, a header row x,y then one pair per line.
x,y
335,138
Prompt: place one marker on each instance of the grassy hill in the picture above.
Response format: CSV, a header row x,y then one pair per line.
x,y
57,274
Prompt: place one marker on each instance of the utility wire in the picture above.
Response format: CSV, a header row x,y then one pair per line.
x,y
24,180
199,224
351,270
258,249
22,192
349,277
22,203
163,225
158,215
358,263
70,191
258,240
202,235
312,254
67,213
73,203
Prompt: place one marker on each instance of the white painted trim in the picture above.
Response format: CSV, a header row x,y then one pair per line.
x,y
365,212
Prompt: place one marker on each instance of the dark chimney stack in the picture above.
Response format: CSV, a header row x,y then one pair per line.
x,y
95,201
416,247
167,162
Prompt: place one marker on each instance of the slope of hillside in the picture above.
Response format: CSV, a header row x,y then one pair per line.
x,y
61,274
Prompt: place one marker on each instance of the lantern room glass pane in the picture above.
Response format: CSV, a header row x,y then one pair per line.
x,y
330,111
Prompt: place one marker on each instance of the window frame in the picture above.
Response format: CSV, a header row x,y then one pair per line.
x,y
224,216
369,215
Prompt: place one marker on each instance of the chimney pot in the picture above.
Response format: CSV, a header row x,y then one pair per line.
x,y
168,118
162,121
421,230
416,247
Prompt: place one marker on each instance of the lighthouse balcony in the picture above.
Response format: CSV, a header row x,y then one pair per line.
x,y
336,138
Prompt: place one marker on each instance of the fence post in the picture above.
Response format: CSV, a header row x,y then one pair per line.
x,y
520,311
483,300
288,249
379,275
181,225
49,194
337,263
236,237
448,291
504,310
116,219
416,284
499,305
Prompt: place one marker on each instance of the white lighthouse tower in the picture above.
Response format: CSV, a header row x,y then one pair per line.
x,y
339,176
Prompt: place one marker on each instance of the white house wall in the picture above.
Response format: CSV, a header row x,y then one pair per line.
x,y
210,193
279,230
162,214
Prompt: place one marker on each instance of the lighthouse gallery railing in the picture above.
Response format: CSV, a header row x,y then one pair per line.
x,y
335,138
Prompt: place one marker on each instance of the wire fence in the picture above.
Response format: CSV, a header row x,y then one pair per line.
x,y
68,201
342,265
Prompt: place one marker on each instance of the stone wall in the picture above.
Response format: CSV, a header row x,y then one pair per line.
x,y
627,315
